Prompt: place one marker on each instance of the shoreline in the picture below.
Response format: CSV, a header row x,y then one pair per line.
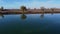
x,y
28,12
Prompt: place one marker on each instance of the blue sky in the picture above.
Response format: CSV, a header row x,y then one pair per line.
x,y
9,4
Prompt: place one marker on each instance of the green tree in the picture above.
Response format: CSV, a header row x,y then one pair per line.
x,y
23,8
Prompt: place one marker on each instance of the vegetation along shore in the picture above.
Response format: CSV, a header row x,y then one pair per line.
x,y
25,10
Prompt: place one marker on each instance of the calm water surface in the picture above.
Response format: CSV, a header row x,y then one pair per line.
x,y
30,24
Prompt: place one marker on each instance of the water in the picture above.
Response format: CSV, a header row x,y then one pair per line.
x,y
30,24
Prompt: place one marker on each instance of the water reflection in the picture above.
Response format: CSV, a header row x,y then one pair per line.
x,y
1,15
31,24
42,16
52,13
23,16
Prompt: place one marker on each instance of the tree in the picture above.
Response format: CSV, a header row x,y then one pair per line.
x,y
42,8
2,8
23,8
52,9
34,8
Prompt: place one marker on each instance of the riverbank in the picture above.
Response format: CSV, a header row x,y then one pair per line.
x,y
17,11
26,12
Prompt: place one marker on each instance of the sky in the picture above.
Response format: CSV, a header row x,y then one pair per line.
x,y
13,4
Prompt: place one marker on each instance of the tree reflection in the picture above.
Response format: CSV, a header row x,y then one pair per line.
x,y
23,16
52,13
52,9
42,16
1,15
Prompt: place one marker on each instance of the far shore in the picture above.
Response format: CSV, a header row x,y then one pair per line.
x,y
27,12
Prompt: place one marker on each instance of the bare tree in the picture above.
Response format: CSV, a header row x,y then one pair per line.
x,y
52,9
42,9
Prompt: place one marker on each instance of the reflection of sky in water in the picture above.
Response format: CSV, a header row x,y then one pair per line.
x,y
0,17
33,23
